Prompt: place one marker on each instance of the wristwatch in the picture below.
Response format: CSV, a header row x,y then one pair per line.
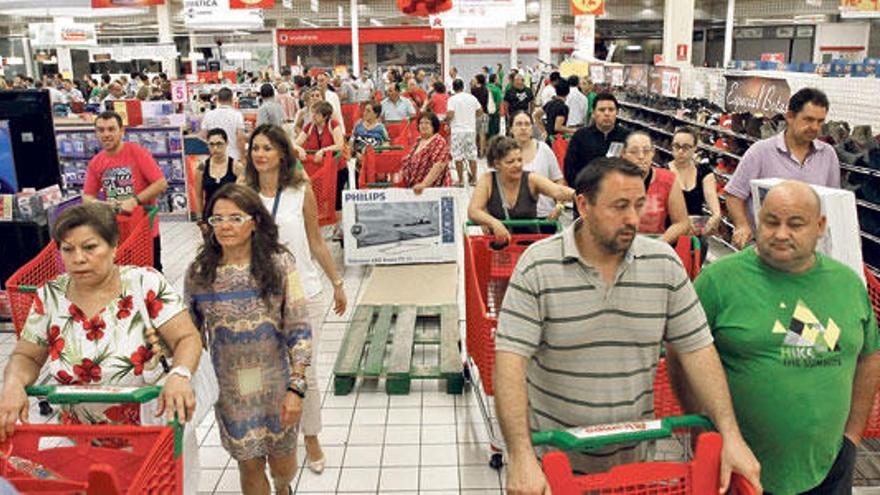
x,y
181,371
298,386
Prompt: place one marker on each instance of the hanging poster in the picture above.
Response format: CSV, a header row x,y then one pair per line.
x,y
396,226
587,7
764,95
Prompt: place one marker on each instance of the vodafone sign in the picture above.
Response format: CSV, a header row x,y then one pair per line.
x,y
288,37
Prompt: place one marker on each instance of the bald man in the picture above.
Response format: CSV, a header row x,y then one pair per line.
x,y
798,339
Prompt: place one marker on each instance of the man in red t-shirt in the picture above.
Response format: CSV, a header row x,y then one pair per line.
x,y
126,173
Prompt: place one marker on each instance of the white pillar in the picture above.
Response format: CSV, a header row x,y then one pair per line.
x,y
166,37
356,65
728,33
28,55
65,63
514,41
678,32
447,63
276,53
545,31
585,36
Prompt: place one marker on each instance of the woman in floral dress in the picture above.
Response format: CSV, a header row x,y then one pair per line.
x,y
427,164
243,289
88,327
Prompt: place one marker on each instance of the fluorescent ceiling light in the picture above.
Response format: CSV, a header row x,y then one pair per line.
x,y
73,12
633,48
308,23
376,22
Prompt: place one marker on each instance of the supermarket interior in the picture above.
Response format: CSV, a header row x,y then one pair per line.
x,y
635,247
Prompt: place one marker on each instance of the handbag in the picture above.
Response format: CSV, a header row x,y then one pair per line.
x,y
204,381
490,105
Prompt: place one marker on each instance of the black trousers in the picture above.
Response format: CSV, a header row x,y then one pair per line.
x,y
839,480
157,253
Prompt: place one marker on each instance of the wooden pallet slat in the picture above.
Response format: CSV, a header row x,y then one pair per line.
x,y
350,353
400,361
451,366
378,342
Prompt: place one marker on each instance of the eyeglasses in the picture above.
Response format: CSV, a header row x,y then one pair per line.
x,y
682,147
216,144
236,220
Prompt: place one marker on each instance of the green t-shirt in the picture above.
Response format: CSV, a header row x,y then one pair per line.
x,y
789,344
496,95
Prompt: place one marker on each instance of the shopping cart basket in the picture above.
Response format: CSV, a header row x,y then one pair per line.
x,y
560,148
698,477
323,177
398,132
135,248
150,463
381,167
867,469
487,271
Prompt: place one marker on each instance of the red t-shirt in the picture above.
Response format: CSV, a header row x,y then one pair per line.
x,y
318,140
438,102
653,220
122,176
418,97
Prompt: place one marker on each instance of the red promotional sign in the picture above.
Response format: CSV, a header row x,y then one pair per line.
x,y
109,4
366,35
773,57
251,4
587,7
681,53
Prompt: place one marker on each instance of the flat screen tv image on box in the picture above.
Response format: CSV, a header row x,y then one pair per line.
x,y
382,223
8,181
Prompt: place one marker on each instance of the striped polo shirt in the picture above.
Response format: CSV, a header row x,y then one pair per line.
x,y
593,347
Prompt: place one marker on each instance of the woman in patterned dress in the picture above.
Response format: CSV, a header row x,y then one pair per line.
x,y
244,291
88,327
427,163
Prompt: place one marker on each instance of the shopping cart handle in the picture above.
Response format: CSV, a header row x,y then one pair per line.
x,y
521,223
388,148
585,438
79,394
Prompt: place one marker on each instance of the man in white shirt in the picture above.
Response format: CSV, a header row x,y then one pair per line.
x,y
453,75
364,88
548,92
577,104
115,92
395,108
230,120
70,94
462,110
332,98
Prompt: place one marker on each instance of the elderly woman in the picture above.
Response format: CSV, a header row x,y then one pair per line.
x,y
427,163
664,197
98,324
244,291
369,131
287,193
322,135
508,192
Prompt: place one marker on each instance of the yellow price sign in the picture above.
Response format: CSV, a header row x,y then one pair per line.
x,y
587,7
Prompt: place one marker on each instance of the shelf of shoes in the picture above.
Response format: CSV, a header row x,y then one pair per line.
x,y
860,170
686,121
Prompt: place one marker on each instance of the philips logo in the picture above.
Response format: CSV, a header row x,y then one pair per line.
x,y
365,196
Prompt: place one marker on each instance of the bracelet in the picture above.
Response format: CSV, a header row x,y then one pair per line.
x,y
338,282
300,393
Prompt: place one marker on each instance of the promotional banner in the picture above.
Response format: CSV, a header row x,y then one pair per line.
x,y
75,34
636,77
756,95
216,14
395,226
773,57
480,14
859,8
109,4
665,81
251,4
587,7
617,78
178,91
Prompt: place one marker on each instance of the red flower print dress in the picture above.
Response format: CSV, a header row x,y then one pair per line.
x,y
107,348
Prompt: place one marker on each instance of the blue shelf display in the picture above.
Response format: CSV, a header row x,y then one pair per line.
x,y
77,146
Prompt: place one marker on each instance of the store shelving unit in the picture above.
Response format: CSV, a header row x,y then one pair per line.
x,y
76,146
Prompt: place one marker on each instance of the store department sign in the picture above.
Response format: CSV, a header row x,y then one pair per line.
x,y
480,14
335,36
756,95
251,4
63,33
109,4
216,14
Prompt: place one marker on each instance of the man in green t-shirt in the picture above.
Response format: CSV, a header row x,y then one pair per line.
x,y
797,337
495,93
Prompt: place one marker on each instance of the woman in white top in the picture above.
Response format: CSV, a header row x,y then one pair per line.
x,y
538,158
287,193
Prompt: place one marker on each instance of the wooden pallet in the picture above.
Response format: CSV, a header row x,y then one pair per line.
x,y
380,342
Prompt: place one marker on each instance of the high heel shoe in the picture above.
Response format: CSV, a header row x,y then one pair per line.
x,y
317,467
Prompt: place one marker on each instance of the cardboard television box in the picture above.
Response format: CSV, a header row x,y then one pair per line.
x,y
842,240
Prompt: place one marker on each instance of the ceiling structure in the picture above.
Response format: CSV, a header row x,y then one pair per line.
x,y
640,18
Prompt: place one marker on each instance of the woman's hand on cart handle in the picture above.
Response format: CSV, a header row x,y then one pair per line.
x,y
13,406
177,397
525,477
737,457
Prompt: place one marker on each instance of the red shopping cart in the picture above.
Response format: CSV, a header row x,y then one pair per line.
x,y
398,132
135,248
487,271
351,113
700,476
560,148
323,177
381,167
150,463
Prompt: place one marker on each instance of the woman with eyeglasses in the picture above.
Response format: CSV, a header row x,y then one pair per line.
x,y
215,172
244,294
286,192
697,180
663,192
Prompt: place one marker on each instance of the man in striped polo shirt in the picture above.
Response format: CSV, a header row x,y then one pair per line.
x,y
580,331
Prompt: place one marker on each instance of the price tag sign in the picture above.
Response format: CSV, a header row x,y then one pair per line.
x,y
178,91
617,76
671,83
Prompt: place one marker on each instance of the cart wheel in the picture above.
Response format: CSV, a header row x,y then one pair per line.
x,y
496,461
45,408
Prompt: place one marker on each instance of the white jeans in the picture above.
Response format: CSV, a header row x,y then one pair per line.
x,y
310,424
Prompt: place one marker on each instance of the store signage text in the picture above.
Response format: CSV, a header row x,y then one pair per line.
x,y
757,95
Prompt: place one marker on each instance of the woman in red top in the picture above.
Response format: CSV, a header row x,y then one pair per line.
x,y
414,93
436,103
321,135
663,192
427,163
